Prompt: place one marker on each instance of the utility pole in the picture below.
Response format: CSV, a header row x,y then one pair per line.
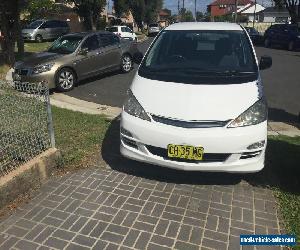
x,y
235,10
195,10
178,7
183,4
254,14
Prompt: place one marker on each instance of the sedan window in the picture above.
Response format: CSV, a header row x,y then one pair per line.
x,y
91,43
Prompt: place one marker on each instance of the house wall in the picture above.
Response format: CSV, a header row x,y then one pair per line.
x,y
215,10
275,17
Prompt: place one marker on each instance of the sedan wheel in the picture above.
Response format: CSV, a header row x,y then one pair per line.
x,y
65,80
126,64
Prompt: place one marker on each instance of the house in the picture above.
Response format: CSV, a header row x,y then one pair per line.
x,y
225,7
275,15
250,10
163,18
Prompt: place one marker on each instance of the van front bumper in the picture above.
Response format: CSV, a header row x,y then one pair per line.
x,y
225,147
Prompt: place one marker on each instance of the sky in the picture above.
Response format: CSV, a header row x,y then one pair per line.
x,y
190,4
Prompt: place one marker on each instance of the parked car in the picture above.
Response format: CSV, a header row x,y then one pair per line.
x,y
74,57
285,35
197,101
254,35
41,30
123,32
153,29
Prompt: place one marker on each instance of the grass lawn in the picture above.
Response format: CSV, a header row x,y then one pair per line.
x,y
282,175
80,136
36,47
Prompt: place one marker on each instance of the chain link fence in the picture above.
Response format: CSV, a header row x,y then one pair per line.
x,y
26,128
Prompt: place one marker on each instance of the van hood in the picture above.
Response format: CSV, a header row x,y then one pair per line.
x,y
190,102
37,59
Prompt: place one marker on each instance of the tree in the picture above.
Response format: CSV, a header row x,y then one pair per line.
x,y
151,10
186,15
293,7
142,10
89,11
39,8
199,16
10,27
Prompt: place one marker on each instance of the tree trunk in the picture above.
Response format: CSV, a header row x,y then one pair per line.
x,y
20,41
9,17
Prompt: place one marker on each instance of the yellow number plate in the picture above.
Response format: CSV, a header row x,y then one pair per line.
x,y
185,152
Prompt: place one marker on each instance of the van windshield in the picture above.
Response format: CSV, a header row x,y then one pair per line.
x,y
34,24
200,56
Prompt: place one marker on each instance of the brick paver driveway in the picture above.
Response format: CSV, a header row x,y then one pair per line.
x,y
130,205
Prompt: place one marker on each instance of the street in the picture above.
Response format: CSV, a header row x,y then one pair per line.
x,y
282,84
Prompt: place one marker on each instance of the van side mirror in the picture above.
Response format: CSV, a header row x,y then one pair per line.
x,y
138,57
265,62
83,51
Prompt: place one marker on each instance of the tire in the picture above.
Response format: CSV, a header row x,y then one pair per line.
x,y
39,38
267,43
65,80
126,63
291,46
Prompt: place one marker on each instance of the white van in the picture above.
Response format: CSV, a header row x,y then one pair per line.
x,y
197,101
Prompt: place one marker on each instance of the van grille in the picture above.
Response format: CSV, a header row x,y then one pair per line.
x,y
189,124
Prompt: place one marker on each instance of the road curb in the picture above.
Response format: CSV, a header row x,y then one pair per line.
x,y
63,101
67,102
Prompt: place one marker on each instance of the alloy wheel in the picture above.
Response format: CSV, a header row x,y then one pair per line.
x,y
126,63
66,80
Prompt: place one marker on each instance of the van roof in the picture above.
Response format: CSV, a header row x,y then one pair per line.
x,y
204,26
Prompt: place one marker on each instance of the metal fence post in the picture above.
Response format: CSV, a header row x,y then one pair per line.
x,y
50,121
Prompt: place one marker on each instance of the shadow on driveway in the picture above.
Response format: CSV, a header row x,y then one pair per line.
x,y
281,169
280,115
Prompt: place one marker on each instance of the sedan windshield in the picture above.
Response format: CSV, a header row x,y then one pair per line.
x,y
194,56
34,24
65,44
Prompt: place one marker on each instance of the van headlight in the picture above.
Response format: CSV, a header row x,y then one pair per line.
x,y
256,114
42,68
133,107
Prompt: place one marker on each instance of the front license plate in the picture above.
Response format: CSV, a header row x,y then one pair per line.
x,y
185,152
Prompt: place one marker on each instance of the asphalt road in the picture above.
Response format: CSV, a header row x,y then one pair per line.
x,y
282,85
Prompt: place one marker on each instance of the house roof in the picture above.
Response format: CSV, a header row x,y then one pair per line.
x,y
230,2
250,9
275,10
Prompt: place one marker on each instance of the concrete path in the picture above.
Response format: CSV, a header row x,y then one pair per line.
x,y
139,206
